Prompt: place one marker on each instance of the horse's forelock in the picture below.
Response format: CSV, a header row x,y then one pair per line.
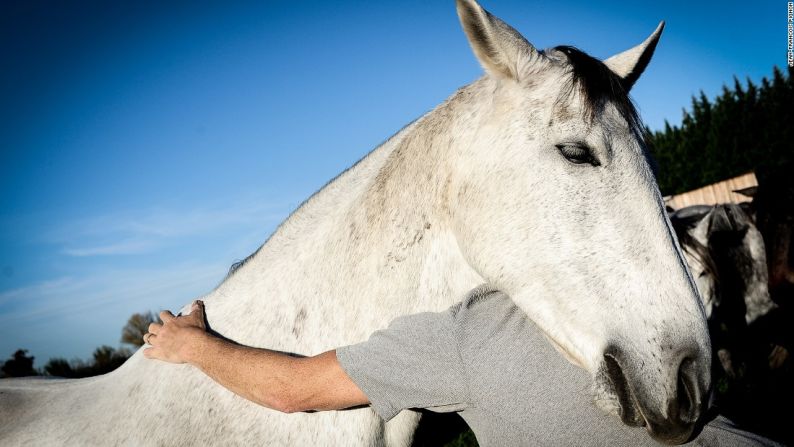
x,y
597,86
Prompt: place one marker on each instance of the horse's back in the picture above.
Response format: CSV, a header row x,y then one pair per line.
x,y
160,401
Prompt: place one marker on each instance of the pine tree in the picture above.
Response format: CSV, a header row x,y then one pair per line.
x,y
744,128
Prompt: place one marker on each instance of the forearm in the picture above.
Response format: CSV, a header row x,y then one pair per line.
x,y
259,375
269,378
274,379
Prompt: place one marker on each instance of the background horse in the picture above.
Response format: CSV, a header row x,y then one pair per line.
x,y
533,178
726,253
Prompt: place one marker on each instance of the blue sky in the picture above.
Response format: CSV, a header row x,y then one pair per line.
x,y
145,147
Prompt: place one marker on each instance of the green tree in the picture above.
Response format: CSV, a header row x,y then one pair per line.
x,y
19,365
59,367
136,327
107,359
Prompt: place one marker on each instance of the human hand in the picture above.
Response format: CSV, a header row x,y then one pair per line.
x,y
176,338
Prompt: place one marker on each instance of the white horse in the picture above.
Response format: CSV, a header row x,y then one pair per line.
x,y
532,178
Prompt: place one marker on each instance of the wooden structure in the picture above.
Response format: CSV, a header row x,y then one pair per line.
x,y
734,190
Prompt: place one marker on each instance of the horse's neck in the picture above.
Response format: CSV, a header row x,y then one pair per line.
x,y
373,244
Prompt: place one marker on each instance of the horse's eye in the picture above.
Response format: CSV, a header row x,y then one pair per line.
x,y
577,154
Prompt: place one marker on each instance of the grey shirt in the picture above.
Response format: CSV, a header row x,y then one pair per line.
x,y
485,359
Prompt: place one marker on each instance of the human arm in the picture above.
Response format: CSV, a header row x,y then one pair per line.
x,y
273,379
414,363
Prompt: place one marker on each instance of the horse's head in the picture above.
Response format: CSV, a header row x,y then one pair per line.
x,y
732,272
554,202
738,251
690,226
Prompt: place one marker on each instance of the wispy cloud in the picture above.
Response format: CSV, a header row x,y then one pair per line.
x,y
147,231
239,226
42,287
145,288
129,247
89,283
70,316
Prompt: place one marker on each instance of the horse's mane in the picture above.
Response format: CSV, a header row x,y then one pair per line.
x,y
598,86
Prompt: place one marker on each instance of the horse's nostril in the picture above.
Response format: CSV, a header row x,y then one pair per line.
x,y
687,398
683,409
620,386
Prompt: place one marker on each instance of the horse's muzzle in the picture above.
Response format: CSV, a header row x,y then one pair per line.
x,y
671,419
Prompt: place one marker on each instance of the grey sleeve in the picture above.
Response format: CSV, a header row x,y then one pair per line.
x,y
722,431
414,363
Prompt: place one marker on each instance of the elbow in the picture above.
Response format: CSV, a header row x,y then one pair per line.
x,y
286,403
285,406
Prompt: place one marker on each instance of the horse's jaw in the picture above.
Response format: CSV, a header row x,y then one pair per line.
x,y
565,353
659,381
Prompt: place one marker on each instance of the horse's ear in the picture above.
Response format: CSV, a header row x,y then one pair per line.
x,y
630,64
501,50
728,218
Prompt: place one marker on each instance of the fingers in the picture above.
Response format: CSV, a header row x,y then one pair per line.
x,y
148,338
151,353
198,309
196,316
166,316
